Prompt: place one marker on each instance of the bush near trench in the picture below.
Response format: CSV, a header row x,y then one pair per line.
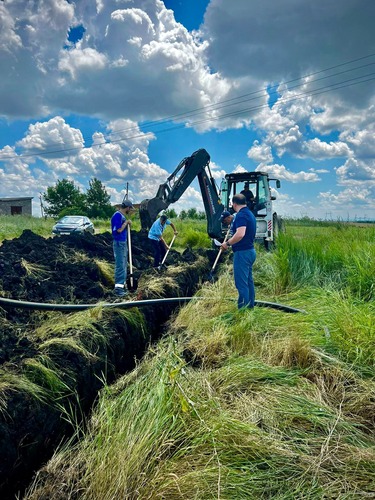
x,y
53,364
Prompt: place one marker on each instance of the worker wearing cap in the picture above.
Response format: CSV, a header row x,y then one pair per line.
x,y
155,234
227,218
119,225
244,255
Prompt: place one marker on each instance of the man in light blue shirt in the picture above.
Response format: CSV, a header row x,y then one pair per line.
x,y
155,235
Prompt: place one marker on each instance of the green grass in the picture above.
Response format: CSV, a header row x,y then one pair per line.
x,y
192,233
343,259
244,404
246,429
13,226
12,382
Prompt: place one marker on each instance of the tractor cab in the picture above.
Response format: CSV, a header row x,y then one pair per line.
x,y
255,186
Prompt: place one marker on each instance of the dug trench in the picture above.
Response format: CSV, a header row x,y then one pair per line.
x,y
53,364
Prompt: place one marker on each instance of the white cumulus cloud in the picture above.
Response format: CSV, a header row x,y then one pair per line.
x,y
281,172
260,153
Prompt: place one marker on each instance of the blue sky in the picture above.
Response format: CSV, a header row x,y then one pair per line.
x,y
190,14
122,90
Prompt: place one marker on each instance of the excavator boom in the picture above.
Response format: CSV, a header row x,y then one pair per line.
x,y
198,166
191,167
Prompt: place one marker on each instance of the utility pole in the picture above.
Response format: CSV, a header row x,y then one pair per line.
x,y
41,205
126,197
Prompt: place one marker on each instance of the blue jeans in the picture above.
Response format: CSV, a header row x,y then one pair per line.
x,y
243,261
120,251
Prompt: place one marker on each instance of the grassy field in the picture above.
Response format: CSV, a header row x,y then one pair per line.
x,y
245,404
13,226
192,232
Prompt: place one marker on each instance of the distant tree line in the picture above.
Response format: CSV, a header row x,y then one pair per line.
x,y
192,213
65,198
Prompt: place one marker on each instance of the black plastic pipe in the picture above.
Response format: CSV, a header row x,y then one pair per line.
x,y
280,307
81,307
125,305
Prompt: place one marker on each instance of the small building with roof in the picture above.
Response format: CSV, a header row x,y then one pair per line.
x,y
16,206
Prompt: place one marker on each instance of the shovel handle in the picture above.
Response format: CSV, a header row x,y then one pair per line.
x,y
130,257
220,251
217,259
167,252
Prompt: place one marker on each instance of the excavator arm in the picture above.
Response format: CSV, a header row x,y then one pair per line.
x,y
196,165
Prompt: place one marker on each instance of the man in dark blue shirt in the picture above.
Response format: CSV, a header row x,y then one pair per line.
x,y
119,226
242,242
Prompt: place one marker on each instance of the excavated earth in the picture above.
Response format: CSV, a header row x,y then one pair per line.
x,y
68,270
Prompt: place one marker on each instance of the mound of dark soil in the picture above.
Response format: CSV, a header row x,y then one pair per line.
x,y
67,269
64,269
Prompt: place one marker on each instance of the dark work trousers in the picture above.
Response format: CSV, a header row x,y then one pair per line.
x,y
159,251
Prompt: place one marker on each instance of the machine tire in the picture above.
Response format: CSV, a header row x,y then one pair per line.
x,y
271,245
281,224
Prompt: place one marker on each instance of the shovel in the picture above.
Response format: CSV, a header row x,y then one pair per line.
x,y
167,252
211,275
131,281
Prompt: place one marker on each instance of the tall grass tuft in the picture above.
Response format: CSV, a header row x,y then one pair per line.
x,y
350,329
106,271
341,258
361,271
85,332
194,239
43,372
242,430
13,382
37,271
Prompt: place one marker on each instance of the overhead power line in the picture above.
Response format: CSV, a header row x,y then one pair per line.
x,y
321,90
263,92
235,101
